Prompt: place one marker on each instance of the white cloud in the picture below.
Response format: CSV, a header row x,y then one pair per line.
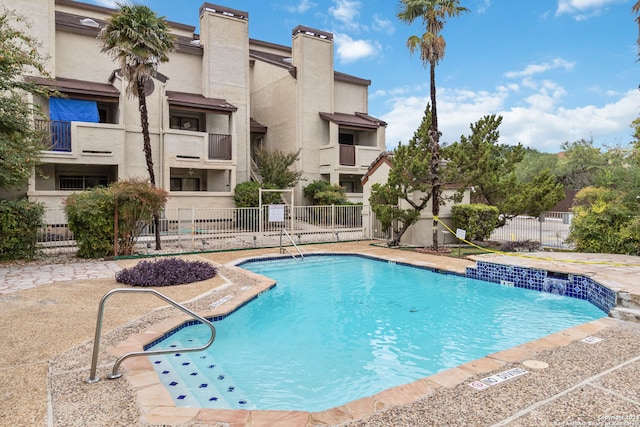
x,y
533,69
349,50
345,11
301,7
583,9
384,25
484,5
539,121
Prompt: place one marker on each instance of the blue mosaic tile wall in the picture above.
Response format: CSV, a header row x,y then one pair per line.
x,y
570,285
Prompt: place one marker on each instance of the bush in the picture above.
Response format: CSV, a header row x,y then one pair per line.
x,y
247,195
166,272
478,220
324,193
19,224
602,222
90,215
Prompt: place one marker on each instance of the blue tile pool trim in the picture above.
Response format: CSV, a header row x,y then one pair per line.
x,y
571,285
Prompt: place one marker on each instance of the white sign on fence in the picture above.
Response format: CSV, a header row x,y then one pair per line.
x,y
276,213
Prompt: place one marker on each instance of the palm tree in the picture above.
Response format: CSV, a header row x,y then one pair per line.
x,y
431,45
139,41
636,9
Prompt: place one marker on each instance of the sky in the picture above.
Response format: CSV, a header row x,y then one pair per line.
x,y
556,70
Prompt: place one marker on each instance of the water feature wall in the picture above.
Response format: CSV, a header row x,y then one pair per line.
x,y
571,285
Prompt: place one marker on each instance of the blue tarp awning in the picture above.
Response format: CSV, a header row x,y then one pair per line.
x,y
73,110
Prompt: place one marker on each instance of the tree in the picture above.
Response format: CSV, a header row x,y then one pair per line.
x,y
478,161
20,142
636,9
139,41
275,168
410,181
431,45
533,162
581,165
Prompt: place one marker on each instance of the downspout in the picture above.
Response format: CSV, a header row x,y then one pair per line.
x,y
161,151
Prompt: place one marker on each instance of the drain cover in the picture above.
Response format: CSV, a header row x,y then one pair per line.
x,y
535,364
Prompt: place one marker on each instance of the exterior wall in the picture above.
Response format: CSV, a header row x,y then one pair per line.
x,y
225,74
39,25
79,57
350,98
184,71
273,102
313,58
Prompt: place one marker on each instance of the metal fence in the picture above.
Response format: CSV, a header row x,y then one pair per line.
x,y
551,229
192,230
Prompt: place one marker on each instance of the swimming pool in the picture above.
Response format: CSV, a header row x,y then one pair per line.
x,y
338,328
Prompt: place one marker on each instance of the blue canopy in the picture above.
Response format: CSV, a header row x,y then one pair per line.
x,y
73,110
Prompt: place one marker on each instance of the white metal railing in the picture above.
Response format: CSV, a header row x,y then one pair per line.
x,y
199,229
550,229
93,378
284,248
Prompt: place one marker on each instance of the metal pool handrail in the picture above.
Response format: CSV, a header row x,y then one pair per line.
x,y
283,231
96,342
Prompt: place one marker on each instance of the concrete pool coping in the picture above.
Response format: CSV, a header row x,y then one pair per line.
x,y
563,392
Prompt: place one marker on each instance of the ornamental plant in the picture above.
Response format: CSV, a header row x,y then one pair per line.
x,y
166,272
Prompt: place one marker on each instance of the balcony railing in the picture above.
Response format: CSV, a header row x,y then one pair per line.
x,y
347,155
56,134
219,147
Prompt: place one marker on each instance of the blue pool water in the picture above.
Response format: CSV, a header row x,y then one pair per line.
x,y
339,328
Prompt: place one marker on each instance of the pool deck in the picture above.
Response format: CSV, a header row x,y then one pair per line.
x,y
47,323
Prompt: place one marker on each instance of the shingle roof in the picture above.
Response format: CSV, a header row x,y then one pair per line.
x,y
199,102
357,120
79,87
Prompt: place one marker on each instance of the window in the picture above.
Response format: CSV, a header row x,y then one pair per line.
x,y
346,138
107,112
184,184
185,123
81,182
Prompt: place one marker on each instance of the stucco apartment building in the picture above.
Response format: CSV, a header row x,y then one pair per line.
x,y
220,96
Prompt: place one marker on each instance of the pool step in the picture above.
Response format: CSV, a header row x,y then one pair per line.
x,y
628,300
625,313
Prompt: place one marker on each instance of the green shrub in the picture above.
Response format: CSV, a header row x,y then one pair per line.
x,y
90,216
91,213
478,220
324,193
19,224
602,223
247,195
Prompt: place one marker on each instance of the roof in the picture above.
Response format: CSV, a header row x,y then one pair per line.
x,y
356,121
80,87
284,61
383,158
257,126
196,101
91,27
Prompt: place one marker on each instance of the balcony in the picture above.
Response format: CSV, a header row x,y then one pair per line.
x,y
56,134
343,156
219,147
200,146
82,140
